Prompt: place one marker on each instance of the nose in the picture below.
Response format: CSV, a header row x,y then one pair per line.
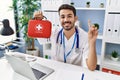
x,y
66,19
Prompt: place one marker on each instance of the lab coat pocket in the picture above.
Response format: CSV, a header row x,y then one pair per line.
x,y
76,56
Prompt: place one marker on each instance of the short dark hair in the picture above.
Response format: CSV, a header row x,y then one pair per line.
x,y
67,6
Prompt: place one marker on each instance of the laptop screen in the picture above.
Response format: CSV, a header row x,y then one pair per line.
x,y
23,68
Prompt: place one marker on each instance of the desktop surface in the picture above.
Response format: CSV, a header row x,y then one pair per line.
x,y
63,71
6,39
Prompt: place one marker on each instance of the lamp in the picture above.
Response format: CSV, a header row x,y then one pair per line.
x,y
6,30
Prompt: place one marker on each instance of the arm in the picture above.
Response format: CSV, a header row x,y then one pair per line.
x,y
92,36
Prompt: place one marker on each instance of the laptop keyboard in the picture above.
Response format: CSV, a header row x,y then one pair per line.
x,y
38,74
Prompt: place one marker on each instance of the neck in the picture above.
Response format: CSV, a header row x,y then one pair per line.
x,y
69,33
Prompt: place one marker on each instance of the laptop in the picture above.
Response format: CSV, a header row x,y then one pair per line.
x,y
35,72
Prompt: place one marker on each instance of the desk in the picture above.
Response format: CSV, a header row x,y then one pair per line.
x,y
6,39
17,45
63,71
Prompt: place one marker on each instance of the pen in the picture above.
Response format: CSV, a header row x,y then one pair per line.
x,y
82,78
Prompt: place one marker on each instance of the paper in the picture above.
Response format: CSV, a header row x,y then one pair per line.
x,y
68,75
62,74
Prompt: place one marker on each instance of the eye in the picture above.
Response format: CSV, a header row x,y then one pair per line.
x,y
62,17
69,16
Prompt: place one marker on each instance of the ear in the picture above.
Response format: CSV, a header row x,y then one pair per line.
x,y
76,18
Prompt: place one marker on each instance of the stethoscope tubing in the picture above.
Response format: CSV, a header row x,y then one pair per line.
x,y
60,33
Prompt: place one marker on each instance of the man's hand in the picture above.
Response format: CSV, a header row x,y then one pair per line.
x,y
38,15
92,33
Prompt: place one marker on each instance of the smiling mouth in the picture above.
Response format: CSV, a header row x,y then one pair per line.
x,y
67,23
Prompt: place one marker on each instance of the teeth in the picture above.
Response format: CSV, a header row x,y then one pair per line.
x,y
67,23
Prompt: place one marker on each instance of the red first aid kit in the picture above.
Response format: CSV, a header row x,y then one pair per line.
x,y
39,28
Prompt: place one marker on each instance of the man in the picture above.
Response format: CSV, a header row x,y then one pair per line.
x,y
71,44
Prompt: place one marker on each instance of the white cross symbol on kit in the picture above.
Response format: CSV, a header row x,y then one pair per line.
x,y
38,27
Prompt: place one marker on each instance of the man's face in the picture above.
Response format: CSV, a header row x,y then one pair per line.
x,y
67,19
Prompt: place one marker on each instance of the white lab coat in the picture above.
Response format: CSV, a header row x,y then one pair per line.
x,y
77,58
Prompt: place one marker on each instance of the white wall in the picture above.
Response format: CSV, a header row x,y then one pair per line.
x,y
7,13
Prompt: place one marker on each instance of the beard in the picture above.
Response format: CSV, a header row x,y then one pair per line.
x,y
68,27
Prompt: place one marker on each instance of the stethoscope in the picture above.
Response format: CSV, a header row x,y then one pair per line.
x,y
60,40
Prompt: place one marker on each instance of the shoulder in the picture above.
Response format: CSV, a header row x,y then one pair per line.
x,y
83,35
55,32
82,32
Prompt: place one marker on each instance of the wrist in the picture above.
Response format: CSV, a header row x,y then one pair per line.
x,y
92,43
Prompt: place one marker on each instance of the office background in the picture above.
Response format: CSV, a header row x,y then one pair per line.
x,y
94,13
